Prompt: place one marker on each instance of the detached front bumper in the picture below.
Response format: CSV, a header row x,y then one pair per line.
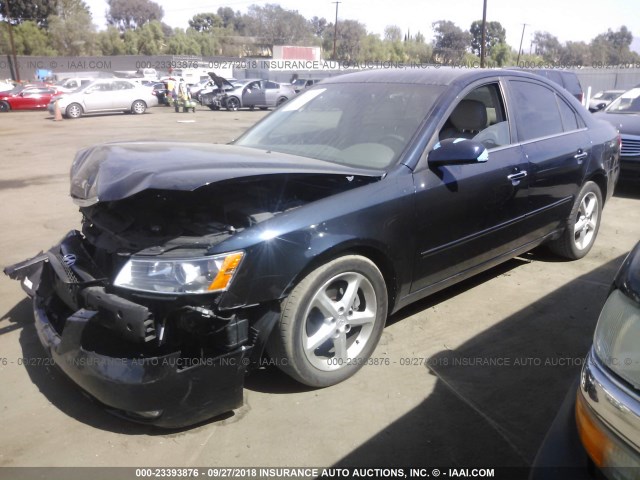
x,y
74,314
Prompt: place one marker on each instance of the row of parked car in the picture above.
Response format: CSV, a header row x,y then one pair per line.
x,y
91,96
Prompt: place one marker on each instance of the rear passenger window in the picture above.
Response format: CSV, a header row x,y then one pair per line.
x,y
536,111
569,120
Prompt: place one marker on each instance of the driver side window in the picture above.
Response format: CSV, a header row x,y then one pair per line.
x,y
479,116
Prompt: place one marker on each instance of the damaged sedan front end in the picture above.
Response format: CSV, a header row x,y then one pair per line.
x,y
137,308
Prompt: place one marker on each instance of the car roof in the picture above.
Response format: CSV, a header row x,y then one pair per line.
x,y
430,75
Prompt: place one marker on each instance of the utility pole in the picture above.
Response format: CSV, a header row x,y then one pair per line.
x,y
484,34
13,46
335,30
521,38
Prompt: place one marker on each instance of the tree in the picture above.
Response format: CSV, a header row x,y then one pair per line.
x,y
131,14
71,29
277,26
205,22
495,34
350,34
28,38
318,26
548,46
575,54
110,41
451,42
36,11
392,33
501,54
183,44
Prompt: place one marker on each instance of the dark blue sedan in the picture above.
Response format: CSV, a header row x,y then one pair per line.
x,y
363,194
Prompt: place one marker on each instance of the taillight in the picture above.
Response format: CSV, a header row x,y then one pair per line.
x,y
580,96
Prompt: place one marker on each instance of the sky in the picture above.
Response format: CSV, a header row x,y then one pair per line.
x,y
569,20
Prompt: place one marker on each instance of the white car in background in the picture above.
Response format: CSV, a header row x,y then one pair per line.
x,y
105,95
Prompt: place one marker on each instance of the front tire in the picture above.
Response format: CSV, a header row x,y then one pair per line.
x,y
74,110
331,322
233,104
4,106
138,107
582,225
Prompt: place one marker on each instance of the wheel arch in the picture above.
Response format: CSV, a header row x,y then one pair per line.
x,y
367,250
599,178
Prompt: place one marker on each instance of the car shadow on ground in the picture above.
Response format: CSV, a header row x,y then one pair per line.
x,y
497,394
468,398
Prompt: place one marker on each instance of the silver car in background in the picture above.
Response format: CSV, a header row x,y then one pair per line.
x,y
105,95
257,93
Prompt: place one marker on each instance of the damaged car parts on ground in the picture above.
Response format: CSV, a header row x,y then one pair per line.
x,y
363,194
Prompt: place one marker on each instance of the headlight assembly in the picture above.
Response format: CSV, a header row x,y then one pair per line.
x,y
180,275
617,337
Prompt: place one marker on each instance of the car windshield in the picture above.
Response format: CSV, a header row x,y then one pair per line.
x,y
361,125
300,82
15,90
628,102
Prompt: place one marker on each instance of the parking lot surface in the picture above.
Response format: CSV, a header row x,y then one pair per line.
x,y
471,376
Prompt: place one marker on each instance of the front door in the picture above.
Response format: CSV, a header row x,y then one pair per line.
x,y
467,215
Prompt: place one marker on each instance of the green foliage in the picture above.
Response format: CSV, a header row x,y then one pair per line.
x,y
110,42
71,29
28,39
205,22
131,14
35,11
495,34
501,55
451,42
136,29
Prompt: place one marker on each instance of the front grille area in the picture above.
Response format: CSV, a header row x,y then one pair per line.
x,y
630,147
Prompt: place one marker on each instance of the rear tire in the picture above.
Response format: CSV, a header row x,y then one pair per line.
x,y
138,107
331,322
582,226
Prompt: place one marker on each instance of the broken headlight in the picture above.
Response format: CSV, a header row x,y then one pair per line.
x,y
180,275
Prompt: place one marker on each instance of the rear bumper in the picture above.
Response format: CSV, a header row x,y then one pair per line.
x,y
151,385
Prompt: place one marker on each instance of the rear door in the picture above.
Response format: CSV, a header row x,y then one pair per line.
x,y
271,92
557,147
123,93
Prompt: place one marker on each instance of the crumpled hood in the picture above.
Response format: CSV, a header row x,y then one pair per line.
x,y
115,171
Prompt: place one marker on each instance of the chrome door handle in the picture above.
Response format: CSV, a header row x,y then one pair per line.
x,y
516,177
580,156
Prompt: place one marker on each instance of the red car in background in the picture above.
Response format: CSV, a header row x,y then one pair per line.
x,y
30,97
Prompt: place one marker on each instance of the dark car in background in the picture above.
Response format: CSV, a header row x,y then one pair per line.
x,y
596,433
566,78
354,199
624,114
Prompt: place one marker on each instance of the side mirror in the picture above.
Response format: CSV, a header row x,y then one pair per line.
x,y
457,151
